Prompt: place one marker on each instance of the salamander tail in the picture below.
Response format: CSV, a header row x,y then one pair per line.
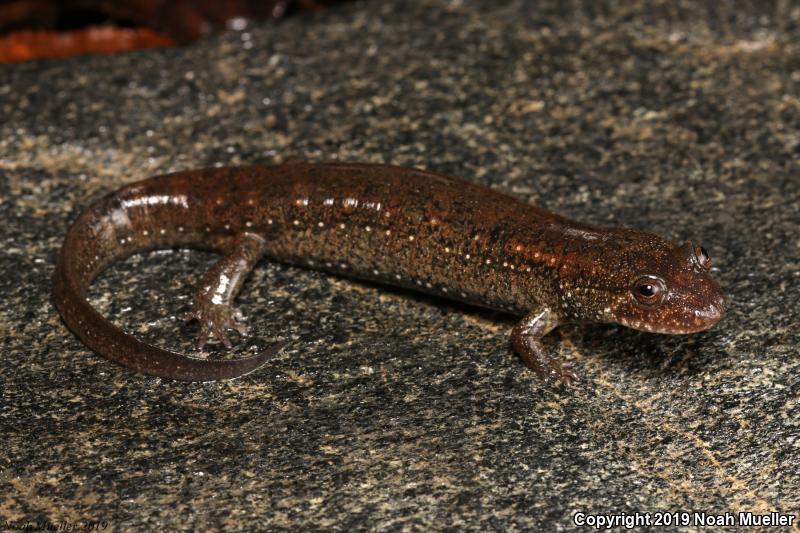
x,y
91,245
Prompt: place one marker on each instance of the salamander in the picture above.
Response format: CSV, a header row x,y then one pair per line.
x,y
399,226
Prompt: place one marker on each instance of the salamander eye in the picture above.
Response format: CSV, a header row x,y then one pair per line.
x,y
649,291
701,257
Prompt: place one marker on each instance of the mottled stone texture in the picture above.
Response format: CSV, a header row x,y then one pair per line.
x,y
391,410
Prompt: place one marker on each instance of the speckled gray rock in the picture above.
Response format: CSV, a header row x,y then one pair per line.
x,y
392,410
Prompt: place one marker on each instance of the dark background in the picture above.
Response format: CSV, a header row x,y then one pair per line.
x,y
391,410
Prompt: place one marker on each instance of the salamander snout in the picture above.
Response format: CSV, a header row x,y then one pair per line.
x,y
708,311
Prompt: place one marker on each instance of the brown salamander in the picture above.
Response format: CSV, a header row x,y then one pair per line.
x,y
400,226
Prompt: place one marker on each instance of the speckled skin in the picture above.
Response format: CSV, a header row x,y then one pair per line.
x,y
399,226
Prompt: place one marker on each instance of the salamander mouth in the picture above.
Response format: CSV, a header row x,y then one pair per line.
x,y
694,321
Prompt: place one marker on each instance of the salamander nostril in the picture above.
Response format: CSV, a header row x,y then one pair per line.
x,y
722,305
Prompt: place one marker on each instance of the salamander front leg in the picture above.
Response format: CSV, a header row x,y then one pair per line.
x,y
526,340
213,301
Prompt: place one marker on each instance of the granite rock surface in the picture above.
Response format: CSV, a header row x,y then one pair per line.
x,y
391,410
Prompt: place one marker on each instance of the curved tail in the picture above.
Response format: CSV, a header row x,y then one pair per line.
x,y
92,243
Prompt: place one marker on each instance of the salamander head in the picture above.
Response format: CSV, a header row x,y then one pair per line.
x,y
652,284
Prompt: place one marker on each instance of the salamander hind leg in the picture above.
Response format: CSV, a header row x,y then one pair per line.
x,y
213,302
526,340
